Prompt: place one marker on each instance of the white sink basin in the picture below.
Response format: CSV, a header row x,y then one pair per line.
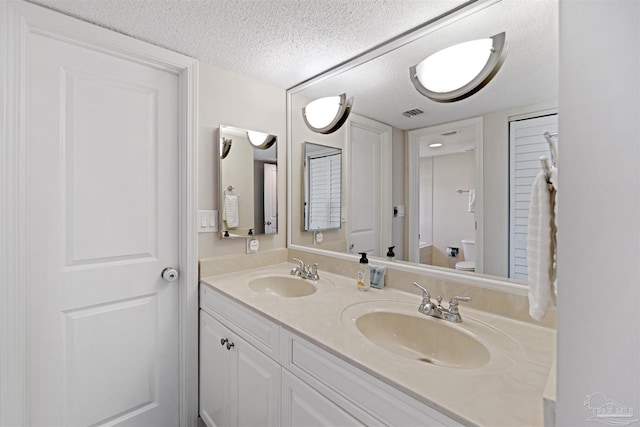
x,y
397,327
286,286
423,339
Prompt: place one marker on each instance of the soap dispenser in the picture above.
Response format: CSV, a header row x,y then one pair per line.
x,y
364,273
390,254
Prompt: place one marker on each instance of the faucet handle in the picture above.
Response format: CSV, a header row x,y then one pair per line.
x,y
425,293
453,303
314,268
439,301
426,307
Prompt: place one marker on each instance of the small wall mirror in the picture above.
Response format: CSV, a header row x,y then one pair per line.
x,y
248,182
322,187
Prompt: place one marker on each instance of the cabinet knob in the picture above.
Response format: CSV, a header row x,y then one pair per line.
x,y
223,341
229,345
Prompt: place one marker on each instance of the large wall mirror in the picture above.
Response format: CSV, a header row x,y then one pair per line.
x,y
439,197
248,182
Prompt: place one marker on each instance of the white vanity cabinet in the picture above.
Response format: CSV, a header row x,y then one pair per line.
x,y
239,384
366,398
254,372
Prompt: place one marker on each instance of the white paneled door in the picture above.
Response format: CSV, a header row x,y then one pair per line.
x,y
527,144
270,198
102,223
369,200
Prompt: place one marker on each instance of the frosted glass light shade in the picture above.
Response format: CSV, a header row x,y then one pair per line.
x,y
260,140
327,115
459,71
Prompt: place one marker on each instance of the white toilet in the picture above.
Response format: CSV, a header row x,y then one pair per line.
x,y
469,251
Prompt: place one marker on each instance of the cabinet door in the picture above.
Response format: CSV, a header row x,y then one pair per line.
x,y
303,406
255,386
214,372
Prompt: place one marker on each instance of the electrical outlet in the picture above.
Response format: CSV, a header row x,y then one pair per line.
x,y
252,245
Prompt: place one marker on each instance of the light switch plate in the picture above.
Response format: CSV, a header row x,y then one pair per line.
x,y
207,221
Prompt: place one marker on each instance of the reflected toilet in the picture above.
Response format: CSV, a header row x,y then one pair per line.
x,y
469,251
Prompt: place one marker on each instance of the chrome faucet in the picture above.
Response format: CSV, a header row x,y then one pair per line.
x,y
452,314
305,271
297,271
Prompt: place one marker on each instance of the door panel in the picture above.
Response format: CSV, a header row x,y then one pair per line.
x,y
102,224
364,204
255,387
270,198
127,351
214,372
93,149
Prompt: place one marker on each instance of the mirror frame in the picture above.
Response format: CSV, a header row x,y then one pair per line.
x,y
474,279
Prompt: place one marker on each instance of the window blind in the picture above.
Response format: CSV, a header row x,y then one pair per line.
x,y
325,177
527,144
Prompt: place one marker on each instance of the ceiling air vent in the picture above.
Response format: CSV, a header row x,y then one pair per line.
x,y
412,113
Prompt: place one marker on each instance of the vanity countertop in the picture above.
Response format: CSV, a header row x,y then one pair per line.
x,y
507,392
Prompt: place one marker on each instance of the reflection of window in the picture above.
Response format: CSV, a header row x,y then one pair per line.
x,y
325,174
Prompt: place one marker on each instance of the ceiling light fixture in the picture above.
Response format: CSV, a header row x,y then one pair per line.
x,y
225,147
327,115
261,140
435,145
459,71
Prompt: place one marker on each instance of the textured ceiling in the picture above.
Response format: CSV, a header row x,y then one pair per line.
x,y
282,42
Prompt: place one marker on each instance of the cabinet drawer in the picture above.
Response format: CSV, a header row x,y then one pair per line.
x,y
257,330
338,380
303,406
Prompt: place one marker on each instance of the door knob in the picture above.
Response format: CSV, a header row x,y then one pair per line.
x,y
169,274
229,345
223,341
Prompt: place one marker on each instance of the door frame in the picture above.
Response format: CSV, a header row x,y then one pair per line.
x,y
18,20
386,204
413,187
269,193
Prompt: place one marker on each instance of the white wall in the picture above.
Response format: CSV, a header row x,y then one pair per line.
x,y
599,206
228,98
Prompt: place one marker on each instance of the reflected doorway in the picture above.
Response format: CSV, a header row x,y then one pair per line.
x,y
445,199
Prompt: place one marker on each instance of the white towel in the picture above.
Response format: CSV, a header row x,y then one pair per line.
x,y
472,201
230,211
541,247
